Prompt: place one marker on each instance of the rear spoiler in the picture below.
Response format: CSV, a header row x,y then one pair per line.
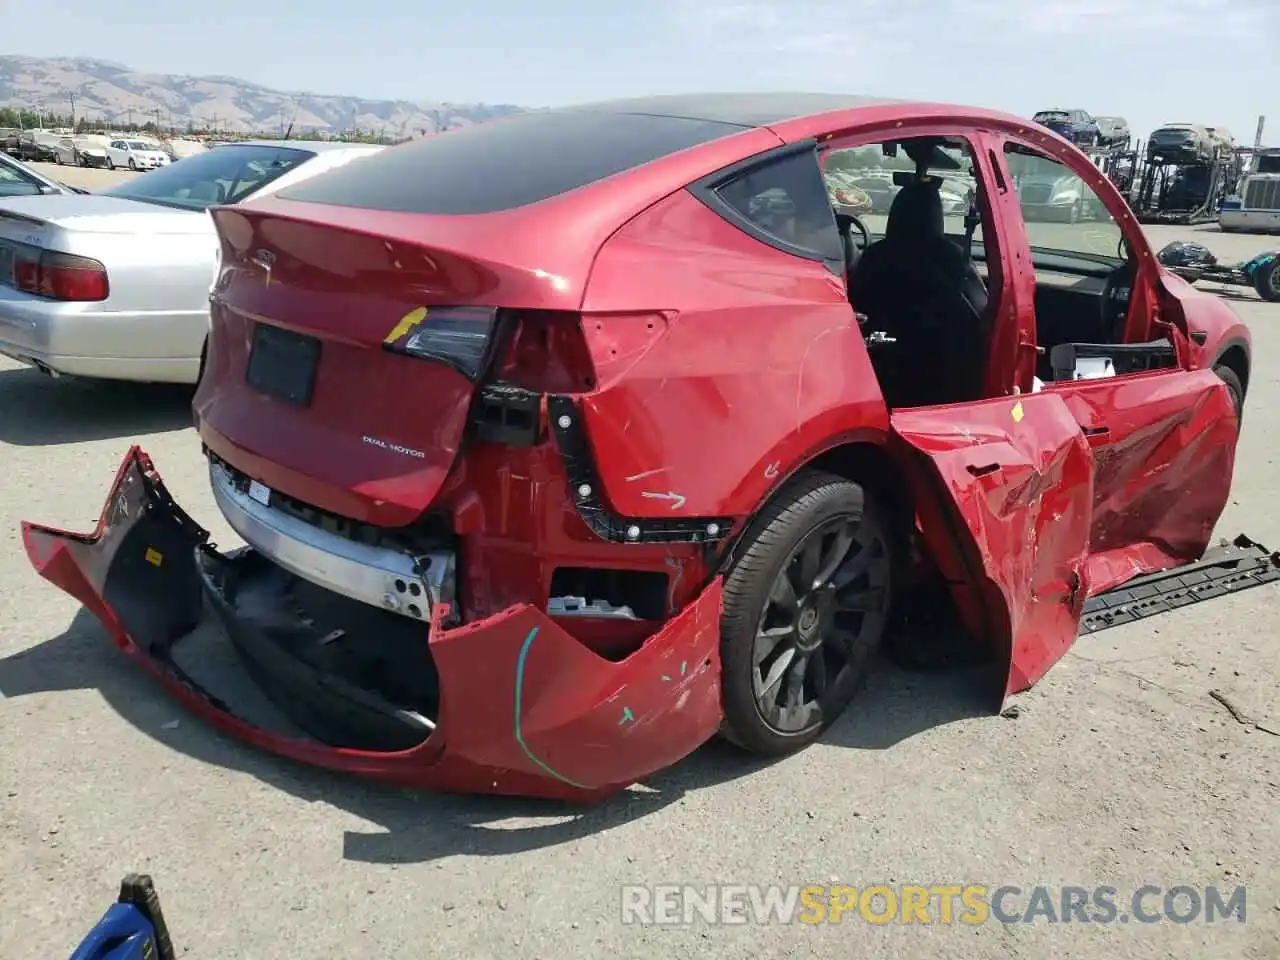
x,y
21,217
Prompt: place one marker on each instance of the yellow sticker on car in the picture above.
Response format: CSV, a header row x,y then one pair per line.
x,y
1016,412
153,556
406,324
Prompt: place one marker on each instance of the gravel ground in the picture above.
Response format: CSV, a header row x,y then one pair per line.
x,y
1119,770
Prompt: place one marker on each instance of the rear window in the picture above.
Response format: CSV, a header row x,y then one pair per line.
x,y
506,163
226,175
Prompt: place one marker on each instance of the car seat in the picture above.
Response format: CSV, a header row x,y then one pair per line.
x,y
921,289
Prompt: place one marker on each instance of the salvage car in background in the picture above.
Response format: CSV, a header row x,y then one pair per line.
x,y
82,151
1182,143
179,148
37,146
551,470
135,154
1225,140
116,284
1075,126
1113,132
19,180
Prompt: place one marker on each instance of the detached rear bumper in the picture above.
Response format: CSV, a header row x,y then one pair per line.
x,y
523,707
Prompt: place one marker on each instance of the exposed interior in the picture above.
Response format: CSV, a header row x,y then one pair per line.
x,y
912,216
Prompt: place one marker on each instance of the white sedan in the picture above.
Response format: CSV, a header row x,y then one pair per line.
x,y
135,154
115,284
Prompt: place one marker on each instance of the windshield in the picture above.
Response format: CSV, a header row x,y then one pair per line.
x,y
139,145
225,175
1051,115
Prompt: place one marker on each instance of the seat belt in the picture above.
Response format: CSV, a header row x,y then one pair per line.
x,y
972,220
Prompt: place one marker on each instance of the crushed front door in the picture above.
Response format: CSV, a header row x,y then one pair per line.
x,y
1004,492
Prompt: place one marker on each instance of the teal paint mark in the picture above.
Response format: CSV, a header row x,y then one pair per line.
x,y
627,716
684,665
519,733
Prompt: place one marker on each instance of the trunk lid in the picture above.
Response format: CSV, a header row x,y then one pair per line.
x,y
343,359
24,219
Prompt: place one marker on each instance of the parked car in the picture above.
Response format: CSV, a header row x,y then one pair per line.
x,y
179,149
549,471
19,180
135,154
1074,125
1113,132
116,284
9,137
881,190
1059,197
1181,143
37,146
846,196
81,151
1225,140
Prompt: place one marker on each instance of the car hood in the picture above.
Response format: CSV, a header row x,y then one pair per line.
x,y
95,213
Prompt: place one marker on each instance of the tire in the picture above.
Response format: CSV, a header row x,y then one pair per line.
x,y
133,166
57,159
111,164
1234,387
835,647
1267,281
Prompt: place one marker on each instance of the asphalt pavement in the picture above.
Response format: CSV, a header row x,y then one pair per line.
x,y
1119,770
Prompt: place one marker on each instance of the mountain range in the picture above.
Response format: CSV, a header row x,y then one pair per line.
x,y
105,91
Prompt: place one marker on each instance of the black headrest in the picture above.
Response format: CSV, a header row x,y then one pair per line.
x,y
917,211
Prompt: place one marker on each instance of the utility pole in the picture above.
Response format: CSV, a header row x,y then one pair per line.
x,y
71,96
157,119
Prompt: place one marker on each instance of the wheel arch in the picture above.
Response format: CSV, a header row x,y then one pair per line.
x,y
1235,355
864,460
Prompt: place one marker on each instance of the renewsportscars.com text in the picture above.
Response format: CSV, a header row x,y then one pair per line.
x,y
673,904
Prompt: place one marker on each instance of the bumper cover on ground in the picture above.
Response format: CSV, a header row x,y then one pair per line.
x,y
524,708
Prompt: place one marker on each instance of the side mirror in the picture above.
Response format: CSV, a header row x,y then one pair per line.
x,y
47,189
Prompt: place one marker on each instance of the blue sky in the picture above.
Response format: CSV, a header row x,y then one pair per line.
x,y
1205,61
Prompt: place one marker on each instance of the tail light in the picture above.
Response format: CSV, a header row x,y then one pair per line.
x,y
456,336
61,276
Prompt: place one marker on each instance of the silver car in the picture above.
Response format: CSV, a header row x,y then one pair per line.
x,y
19,180
116,284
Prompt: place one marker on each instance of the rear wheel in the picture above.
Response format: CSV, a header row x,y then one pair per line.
x,y
1234,387
805,608
1267,281
132,165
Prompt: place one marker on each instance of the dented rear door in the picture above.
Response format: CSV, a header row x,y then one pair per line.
x,y
1004,490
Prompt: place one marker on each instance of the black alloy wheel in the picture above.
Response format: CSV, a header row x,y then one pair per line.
x,y
805,611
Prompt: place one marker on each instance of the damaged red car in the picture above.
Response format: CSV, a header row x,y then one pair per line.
x,y
563,442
